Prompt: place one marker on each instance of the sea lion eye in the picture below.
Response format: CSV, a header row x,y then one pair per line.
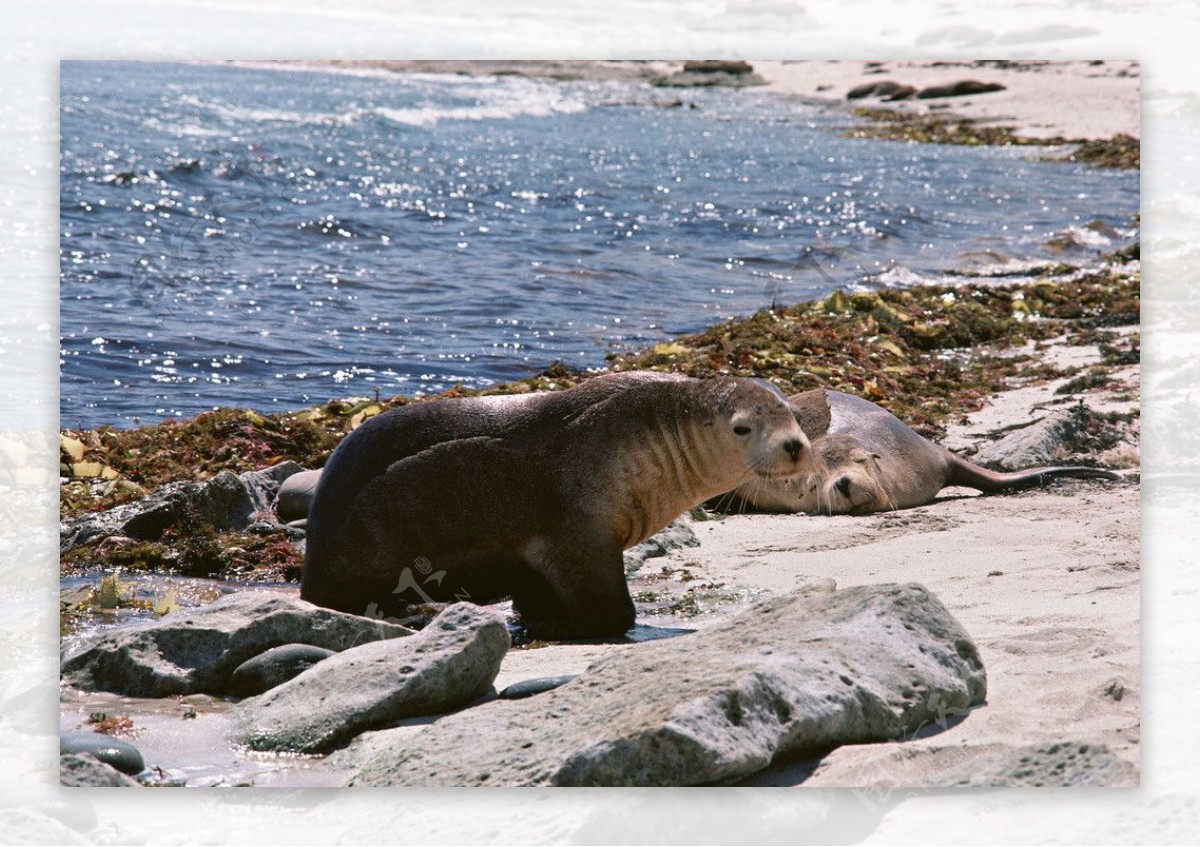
x,y
741,429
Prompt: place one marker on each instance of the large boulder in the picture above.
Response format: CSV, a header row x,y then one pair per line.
x,y
793,676
226,501
196,650
450,663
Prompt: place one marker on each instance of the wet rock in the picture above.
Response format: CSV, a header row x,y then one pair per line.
x,y
226,501
674,536
961,88
296,495
82,770
274,667
530,687
793,676
196,650
104,748
1062,765
444,667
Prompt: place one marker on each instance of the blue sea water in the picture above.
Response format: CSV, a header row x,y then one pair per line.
x,y
272,237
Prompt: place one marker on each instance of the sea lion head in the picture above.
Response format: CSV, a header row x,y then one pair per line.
x,y
755,424
847,479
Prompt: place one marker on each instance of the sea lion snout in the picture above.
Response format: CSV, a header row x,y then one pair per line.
x,y
794,447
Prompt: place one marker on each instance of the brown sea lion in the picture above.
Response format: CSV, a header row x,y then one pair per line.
x,y
867,460
533,496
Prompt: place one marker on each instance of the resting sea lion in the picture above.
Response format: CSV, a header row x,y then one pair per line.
x,y
533,496
867,460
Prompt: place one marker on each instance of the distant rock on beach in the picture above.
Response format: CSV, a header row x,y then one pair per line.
x,y
710,74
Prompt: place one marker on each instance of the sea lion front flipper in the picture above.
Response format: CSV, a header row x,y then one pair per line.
x,y
580,590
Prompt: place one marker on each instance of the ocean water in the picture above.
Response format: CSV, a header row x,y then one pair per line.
x,y
273,237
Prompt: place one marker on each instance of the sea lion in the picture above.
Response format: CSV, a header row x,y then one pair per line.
x,y
533,496
867,460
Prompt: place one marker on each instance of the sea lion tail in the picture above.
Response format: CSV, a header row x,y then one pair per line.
x,y
971,475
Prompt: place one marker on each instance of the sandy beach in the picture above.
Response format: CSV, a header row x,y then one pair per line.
x,y
1041,99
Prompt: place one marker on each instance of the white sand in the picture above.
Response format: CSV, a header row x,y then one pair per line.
x,y
1074,99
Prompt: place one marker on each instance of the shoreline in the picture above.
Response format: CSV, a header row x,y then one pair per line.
x,y
1076,100
923,335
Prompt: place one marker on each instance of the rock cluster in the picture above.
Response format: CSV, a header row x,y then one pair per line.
x,y
197,650
226,501
445,666
794,676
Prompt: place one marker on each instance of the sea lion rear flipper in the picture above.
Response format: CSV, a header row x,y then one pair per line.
x,y
970,475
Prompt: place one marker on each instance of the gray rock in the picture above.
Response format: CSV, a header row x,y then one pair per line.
x,y
673,536
274,667
227,501
104,748
296,495
444,667
81,770
196,650
1070,764
1042,442
793,676
529,687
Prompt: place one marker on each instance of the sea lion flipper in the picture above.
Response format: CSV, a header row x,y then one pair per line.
x,y
580,592
970,475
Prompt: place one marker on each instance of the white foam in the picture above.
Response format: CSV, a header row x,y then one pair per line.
x,y
495,99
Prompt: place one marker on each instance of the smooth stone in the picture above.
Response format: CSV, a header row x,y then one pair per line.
x,y
794,676
111,751
274,667
296,495
196,650
529,687
445,666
